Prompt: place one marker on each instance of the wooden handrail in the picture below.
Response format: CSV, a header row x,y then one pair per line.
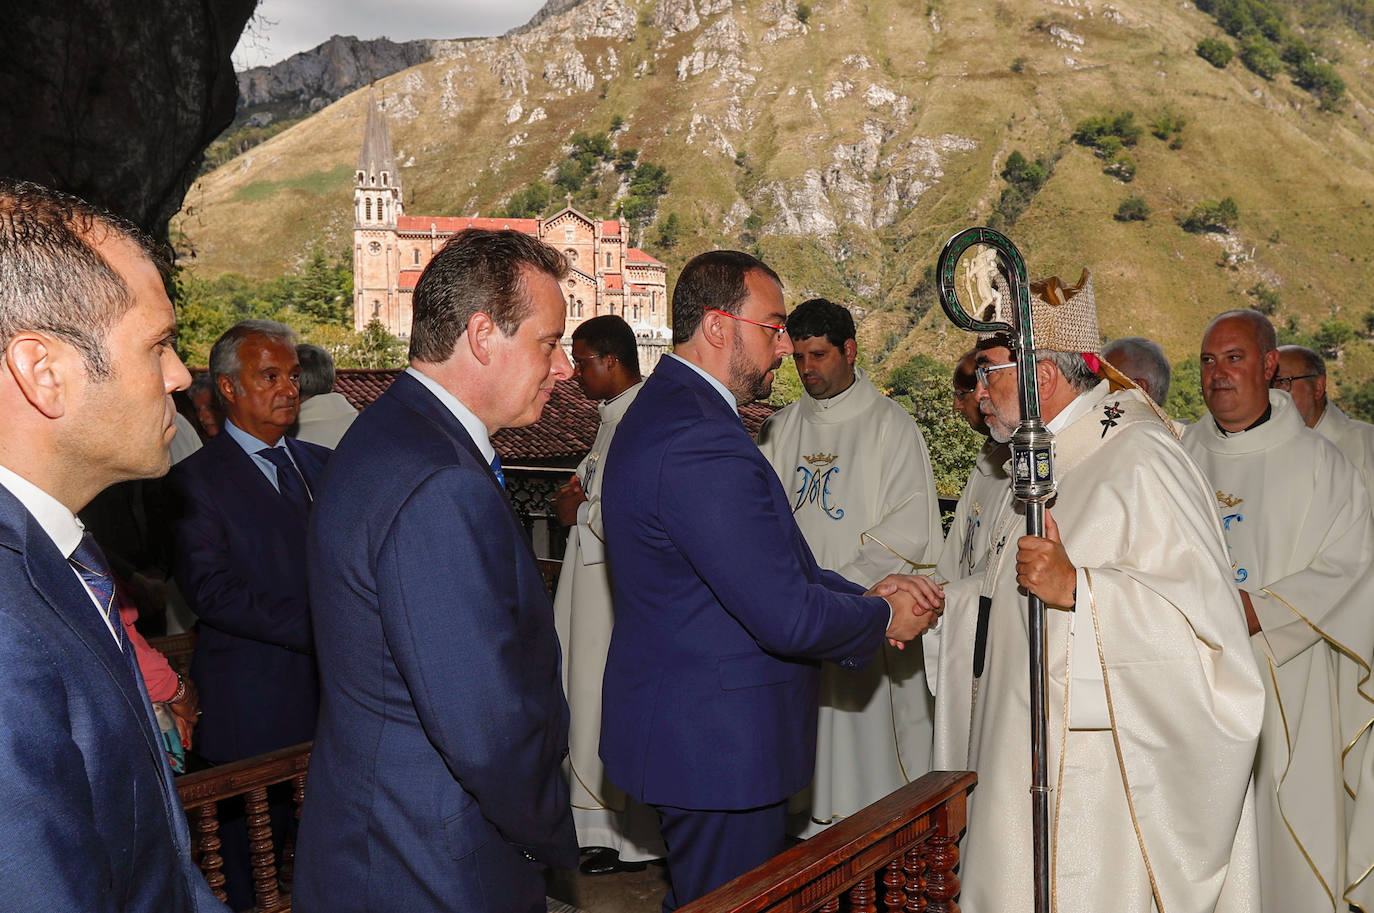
x,y
250,778
900,851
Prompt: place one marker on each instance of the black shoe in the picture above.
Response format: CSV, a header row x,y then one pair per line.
x,y
607,862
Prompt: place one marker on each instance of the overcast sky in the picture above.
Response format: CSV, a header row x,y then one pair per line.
x,y
285,27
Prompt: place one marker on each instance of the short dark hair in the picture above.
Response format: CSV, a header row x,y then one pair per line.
x,y
52,278
714,279
477,271
317,369
821,317
610,335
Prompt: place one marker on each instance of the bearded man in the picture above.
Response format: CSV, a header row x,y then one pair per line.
x,y
1154,704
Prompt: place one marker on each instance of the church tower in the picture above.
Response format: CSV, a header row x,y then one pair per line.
x,y
377,204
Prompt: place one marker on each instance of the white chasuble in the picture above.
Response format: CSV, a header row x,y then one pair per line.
x,y
1150,804
1353,438
583,615
1299,527
858,474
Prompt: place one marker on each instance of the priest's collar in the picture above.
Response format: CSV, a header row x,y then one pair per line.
x,y
1266,416
845,394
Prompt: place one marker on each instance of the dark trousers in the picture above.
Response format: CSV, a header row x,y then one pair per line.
x,y
708,848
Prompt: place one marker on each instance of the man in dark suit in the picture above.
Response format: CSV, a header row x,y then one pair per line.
x,y
242,505
435,782
89,818
722,614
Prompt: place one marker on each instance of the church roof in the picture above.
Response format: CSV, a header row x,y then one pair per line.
x,y
376,155
610,227
614,281
408,278
635,255
562,436
455,224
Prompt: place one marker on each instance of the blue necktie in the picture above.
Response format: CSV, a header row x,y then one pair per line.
x,y
496,470
90,563
289,480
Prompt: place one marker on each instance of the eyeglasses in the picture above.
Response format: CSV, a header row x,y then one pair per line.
x,y
778,328
577,363
1286,383
984,370
960,394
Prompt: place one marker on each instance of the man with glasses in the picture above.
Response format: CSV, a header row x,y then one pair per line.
x,y
1302,375
857,471
615,832
722,614
1298,525
1154,701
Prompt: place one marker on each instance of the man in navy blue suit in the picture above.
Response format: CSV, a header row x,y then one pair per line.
x,y
435,782
90,819
722,614
242,503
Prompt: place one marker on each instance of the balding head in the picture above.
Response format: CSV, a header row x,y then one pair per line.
x,y
1302,375
1143,361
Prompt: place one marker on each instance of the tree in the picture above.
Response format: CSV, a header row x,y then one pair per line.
x,y
1212,215
1185,401
1332,336
529,203
1259,56
669,230
1215,51
376,348
921,385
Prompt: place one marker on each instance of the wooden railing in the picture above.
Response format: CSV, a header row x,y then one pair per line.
x,y
250,779
897,854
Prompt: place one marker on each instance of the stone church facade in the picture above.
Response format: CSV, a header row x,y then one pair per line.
x,y
391,249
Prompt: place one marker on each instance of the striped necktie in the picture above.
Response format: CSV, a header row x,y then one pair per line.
x,y
89,562
496,470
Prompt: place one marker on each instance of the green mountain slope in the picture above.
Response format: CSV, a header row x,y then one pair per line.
x,y
846,139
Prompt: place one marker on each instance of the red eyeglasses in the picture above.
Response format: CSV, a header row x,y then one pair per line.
x,y
778,328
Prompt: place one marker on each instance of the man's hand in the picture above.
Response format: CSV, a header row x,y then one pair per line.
x,y
186,712
567,499
1043,567
917,603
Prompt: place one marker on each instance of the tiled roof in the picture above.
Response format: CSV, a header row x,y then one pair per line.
x,y
408,278
635,255
614,280
610,227
561,437
457,223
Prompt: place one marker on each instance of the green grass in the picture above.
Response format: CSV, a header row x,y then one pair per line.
x,y
317,183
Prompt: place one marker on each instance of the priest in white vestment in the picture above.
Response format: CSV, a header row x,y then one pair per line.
x,y
1302,375
1155,702
964,555
620,832
1301,538
856,467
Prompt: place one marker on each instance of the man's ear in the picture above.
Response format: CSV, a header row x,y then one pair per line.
x,y
1048,378
42,368
226,389
713,329
1271,366
479,336
1319,386
851,351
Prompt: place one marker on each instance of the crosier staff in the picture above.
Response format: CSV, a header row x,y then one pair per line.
x,y
1033,484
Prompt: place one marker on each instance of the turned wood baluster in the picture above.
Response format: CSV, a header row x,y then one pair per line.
x,y
893,880
207,843
861,896
830,906
260,849
914,867
287,870
942,854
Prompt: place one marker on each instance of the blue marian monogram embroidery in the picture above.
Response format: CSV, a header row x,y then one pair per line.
x,y
815,485
1230,501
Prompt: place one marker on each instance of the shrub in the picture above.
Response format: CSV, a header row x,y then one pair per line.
x,y
1122,167
1132,209
1215,51
1168,123
1332,336
803,13
1259,56
1212,215
1095,130
1321,80
1266,299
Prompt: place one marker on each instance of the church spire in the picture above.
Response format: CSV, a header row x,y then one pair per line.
x,y
377,185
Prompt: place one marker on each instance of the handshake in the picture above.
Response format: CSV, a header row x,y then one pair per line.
x,y
917,603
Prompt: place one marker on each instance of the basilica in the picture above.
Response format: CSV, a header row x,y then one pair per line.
x,y
391,249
